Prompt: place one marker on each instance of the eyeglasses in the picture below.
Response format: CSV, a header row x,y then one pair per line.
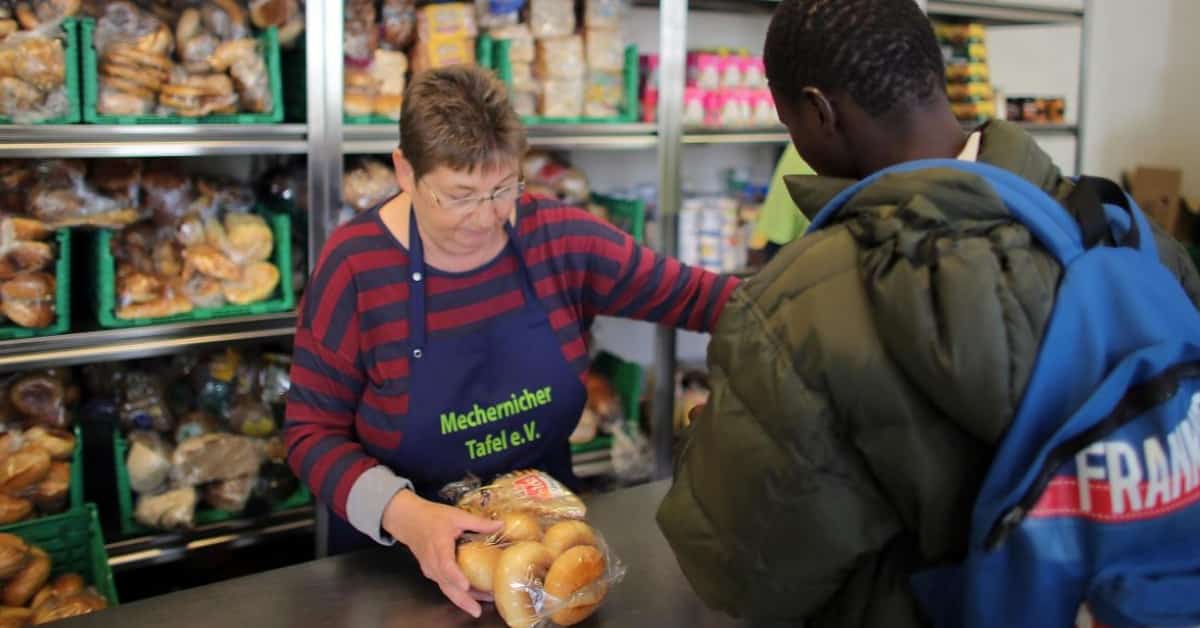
x,y
502,197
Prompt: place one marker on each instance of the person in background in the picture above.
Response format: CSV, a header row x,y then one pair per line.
x,y
779,220
442,333
862,381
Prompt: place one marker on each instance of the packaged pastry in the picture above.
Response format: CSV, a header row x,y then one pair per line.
x,y
546,564
493,14
603,14
33,75
172,510
605,93
561,59
214,457
360,31
605,50
551,18
29,299
230,495
522,77
561,99
452,20
524,103
388,69
442,52
148,462
399,23
367,183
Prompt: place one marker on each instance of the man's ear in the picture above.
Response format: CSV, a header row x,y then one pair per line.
x,y
405,177
826,115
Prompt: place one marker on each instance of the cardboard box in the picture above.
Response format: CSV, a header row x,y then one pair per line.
x,y
1158,191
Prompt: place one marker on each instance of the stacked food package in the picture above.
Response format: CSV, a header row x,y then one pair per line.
x,y
37,444
29,594
561,68
201,431
367,183
968,78
190,62
726,90
377,36
28,284
33,64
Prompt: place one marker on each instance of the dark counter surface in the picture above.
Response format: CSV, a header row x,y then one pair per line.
x,y
384,587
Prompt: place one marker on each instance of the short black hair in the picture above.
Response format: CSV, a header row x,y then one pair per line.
x,y
883,53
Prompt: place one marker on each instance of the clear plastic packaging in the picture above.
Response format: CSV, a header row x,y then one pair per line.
x,y
142,404
546,564
399,22
605,92
455,19
521,47
33,74
172,510
561,59
522,77
230,495
388,71
562,99
551,18
148,462
360,33
604,14
605,51
367,183
214,457
524,103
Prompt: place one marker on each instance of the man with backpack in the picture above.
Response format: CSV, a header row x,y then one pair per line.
x,y
964,397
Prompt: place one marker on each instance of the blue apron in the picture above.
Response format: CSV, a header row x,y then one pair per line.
x,y
495,400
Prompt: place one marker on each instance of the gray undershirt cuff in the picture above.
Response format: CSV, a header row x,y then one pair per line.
x,y
369,497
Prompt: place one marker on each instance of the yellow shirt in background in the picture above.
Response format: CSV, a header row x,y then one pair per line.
x,y
779,220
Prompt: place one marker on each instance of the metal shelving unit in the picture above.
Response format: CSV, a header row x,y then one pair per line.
x,y
325,140
167,140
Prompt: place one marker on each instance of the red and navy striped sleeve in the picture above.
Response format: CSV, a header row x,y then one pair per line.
x,y
605,272
328,377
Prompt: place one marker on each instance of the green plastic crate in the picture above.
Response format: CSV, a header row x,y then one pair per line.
x,y
62,296
75,545
628,214
630,111
626,378
125,498
70,28
91,88
283,301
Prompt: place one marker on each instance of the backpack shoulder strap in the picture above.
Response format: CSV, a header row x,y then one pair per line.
x,y
1055,227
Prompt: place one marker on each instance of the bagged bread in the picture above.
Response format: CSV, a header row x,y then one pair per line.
x,y
546,563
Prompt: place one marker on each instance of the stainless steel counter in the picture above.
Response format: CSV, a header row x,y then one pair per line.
x,y
384,587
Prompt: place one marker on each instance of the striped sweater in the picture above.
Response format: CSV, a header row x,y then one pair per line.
x,y
351,365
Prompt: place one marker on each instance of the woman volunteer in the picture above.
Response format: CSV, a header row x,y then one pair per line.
x,y
443,333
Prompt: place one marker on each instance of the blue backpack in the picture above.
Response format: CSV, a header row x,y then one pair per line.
x,y
1090,512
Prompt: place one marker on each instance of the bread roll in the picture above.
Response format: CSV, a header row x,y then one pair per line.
x,y
28,581
477,560
519,569
576,571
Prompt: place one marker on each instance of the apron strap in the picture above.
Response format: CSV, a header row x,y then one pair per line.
x,y
417,278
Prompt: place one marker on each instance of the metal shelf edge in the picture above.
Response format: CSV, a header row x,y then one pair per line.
x,y
139,342
83,140
1004,13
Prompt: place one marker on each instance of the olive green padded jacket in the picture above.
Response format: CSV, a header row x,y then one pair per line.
x,y
860,385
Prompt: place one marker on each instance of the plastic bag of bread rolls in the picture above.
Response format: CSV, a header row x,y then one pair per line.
x,y
546,566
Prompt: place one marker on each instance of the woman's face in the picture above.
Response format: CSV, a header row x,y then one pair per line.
x,y
462,212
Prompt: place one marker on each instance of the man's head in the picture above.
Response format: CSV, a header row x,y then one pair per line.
x,y
850,74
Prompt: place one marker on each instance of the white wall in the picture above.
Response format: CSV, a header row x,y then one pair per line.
x,y
1144,88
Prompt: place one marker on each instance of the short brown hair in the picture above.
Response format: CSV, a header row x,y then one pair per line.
x,y
459,117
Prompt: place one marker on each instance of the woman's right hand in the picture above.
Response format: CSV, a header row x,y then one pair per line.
x,y
431,530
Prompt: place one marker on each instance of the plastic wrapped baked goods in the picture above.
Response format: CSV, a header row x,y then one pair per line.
x,y
360,35
398,19
57,606
214,457
454,19
50,495
561,99
551,18
560,59
59,443
441,52
604,94
230,495
244,61
41,398
33,75
603,14
522,77
388,69
521,48
605,50
546,564
141,403
524,103
148,462
251,417
173,510
367,183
